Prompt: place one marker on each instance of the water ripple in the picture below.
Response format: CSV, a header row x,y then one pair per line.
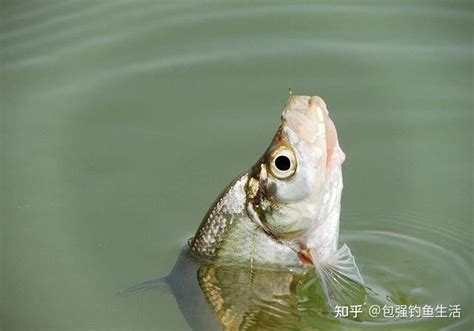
x,y
443,231
199,15
426,272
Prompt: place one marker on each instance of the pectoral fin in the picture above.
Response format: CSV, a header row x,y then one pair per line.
x,y
340,279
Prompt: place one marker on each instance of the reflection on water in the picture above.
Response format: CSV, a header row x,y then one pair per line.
x,y
245,299
120,122
213,297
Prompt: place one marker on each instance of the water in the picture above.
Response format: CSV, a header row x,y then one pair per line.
x,y
122,121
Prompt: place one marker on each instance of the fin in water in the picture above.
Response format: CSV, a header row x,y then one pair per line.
x,y
341,280
156,285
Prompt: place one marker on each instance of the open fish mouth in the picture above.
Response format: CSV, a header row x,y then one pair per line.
x,y
308,119
333,150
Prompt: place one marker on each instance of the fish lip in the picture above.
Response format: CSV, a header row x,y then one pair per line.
x,y
308,118
317,104
334,152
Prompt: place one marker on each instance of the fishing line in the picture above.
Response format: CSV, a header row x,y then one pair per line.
x,y
290,60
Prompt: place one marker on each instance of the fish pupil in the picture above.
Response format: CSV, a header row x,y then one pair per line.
x,y
282,163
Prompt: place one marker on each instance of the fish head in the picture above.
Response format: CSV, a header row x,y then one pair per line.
x,y
290,184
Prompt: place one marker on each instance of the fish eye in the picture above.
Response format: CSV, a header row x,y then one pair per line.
x,y
283,163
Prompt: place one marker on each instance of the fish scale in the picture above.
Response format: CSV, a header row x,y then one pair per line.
x,y
213,228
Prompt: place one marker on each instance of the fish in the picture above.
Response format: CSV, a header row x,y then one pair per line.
x,y
285,210
280,217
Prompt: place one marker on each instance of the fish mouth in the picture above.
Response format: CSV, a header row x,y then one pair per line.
x,y
335,155
309,118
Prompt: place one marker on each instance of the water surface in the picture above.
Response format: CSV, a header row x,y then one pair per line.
x,y
121,121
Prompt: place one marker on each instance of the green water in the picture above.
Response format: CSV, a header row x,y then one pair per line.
x,y
121,121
